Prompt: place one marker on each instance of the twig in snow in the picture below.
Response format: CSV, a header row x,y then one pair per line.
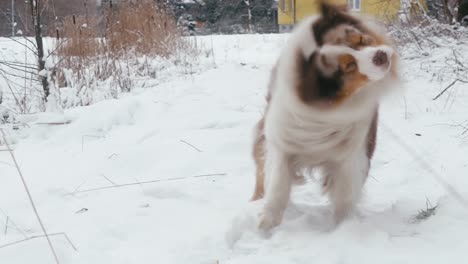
x,y
416,39
82,210
146,182
448,87
464,127
6,163
34,237
21,231
112,156
113,183
77,188
426,213
139,183
33,205
457,60
6,225
54,123
465,131
197,149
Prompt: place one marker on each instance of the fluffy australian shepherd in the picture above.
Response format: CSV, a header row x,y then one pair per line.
x,y
322,110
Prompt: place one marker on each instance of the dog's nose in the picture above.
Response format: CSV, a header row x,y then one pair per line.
x,y
380,58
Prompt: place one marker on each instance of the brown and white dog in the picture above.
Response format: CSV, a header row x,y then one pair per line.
x,y
322,110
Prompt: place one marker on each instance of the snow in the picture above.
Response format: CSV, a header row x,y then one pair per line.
x,y
153,133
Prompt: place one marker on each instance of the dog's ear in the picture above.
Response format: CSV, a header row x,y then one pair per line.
x,y
329,11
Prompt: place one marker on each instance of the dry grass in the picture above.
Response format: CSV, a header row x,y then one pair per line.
x,y
141,28
426,213
109,47
80,36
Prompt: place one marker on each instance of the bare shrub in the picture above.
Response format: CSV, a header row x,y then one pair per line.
x,y
415,27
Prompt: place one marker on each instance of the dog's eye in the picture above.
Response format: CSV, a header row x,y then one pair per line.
x,y
354,39
350,67
347,63
367,40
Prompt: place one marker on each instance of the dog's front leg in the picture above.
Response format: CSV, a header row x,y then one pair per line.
x,y
344,181
278,177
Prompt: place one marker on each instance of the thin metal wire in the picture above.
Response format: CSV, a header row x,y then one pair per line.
x,y
144,182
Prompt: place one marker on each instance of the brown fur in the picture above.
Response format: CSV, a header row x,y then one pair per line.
x,y
314,86
372,135
258,155
259,145
352,79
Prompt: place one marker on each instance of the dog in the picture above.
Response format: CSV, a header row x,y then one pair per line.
x,y
322,110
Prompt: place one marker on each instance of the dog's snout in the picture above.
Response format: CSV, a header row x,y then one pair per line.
x,y
380,58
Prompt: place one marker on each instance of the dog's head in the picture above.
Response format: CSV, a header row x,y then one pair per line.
x,y
341,54
335,72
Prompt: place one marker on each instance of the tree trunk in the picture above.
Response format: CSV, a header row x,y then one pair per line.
x,y
13,18
249,15
36,19
448,14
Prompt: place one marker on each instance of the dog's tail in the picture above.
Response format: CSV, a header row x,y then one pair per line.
x,y
330,10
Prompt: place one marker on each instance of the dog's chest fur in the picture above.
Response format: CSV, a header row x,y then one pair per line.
x,y
313,138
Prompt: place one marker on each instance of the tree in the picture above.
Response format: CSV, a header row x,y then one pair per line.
x,y
229,16
35,6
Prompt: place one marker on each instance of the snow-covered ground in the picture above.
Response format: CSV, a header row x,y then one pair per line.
x,y
201,124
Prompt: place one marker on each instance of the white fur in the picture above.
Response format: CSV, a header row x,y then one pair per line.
x,y
364,59
302,136
367,67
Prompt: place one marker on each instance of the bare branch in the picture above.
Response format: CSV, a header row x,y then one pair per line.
x,y
26,46
6,225
15,67
197,149
448,87
21,231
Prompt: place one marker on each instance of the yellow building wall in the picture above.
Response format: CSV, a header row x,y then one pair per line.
x,y
304,9
381,9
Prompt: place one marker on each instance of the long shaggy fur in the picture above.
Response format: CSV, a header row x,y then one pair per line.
x,y
322,110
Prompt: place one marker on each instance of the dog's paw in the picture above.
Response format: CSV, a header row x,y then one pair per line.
x,y
269,219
